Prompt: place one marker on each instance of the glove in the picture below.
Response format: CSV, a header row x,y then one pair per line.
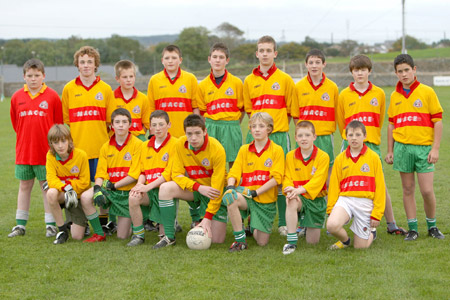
x,y
70,197
99,197
45,186
108,185
229,197
249,194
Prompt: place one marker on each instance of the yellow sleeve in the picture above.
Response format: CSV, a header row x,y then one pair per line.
x,y
200,96
379,199
287,178
247,100
340,113
291,95
382,108
435,107
237,168
334,189
83,182
316,183
178,171
194,86
150,96
110,105
52,179
277,169
239,94
65,105
135,169
167,174
217,180
102,166
145,116
295,105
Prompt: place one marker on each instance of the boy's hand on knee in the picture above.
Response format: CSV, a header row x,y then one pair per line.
x,y
108,185
99,197
229,197
209,192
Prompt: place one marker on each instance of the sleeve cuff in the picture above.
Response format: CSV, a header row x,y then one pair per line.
x,y
373,218
208,216
196,186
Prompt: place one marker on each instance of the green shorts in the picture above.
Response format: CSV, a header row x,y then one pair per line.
x,y
371,146
262,215
119,203
28,172
412,158
279,138
313,212
326,144
202,202
228,133
76,215
155,212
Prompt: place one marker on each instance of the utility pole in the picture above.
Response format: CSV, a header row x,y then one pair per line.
x,y
403,28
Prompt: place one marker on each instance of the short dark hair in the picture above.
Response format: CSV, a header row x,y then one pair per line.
x,y
33,63
315,53
160,114
172,48
360,62
355,124
194,120
220,47
403,59
267,39
120,112
305,124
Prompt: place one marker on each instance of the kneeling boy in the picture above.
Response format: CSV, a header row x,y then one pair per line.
x,y
260,165
356,191
117,171
305,186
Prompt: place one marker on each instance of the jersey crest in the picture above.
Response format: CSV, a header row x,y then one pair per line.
x,y
229,92
418,103
325,97
268,163
43,105
137,109
182,89
127,156
276,86
99,96
75,170
165,157
313,170
205,162
365,168
374,102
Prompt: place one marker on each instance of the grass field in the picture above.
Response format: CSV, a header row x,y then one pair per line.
x,y
33,268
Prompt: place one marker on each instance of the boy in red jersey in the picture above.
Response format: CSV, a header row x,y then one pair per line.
x,y
305,186
156,156
127,96
117,171
173,90
414,137
198,174
67,177
34,109
270,90
260,165
219,99
357,191
365,102
87,108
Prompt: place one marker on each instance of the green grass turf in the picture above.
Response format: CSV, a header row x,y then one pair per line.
x,y
33,268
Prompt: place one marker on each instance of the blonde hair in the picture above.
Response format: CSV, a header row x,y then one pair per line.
x,y
124,65
263,117
59,132
305,124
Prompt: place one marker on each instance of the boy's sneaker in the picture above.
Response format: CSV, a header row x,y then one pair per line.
x,y
397,231
151,226
412,235
16,231
248,231
434,232
164,242
238,246
95,238
136,240
289,248
110,228
87,231
51,230
338,245
301,231
374,232
178,227
61,237
282,230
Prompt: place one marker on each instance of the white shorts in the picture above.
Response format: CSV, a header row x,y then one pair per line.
x,y
359,209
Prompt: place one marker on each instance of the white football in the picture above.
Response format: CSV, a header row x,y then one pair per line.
x,y
197,239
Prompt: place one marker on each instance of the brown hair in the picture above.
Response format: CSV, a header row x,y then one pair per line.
x,y
263,117
59,132
220,47
360,62
33,63
172,48
124,65
90,51
305,124
267,39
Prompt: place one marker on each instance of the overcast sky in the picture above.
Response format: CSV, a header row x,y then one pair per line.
x,y
366,21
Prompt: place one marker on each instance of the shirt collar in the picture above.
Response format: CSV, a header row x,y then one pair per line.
x,y
176,76
213,79
252,148
298,155
355,159
257,71
151,142
113,142
119,95
316,87
41,91
202,148
58,158
412,87
369,88
79,82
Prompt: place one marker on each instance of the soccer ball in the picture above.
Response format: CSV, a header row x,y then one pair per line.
x,y
197,239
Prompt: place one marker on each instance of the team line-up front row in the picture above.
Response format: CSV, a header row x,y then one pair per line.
x,y
186,156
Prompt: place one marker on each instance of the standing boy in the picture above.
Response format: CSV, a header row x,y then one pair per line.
x,y
155,170
128,97
173,90
414,137
198,174
118,169
260,166
357,191
305,186
270,90
365,102
220,100
67,177
34,109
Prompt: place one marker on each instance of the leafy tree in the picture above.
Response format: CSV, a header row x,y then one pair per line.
x,y
410,42
292,51
193,42
244,53
230,35
348,47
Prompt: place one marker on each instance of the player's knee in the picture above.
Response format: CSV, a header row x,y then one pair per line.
x,y
52,196
167,190
26,185
86,198
78,236
134,201
333,226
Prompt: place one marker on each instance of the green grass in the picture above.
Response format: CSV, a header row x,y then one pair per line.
x,y
33,268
